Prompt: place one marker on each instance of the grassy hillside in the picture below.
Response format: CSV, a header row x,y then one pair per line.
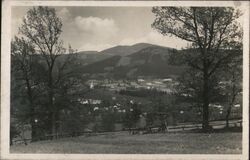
x,y
122,143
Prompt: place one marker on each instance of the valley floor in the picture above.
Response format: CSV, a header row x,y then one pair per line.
x,y
123,143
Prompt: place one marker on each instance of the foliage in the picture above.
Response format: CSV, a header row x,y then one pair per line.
x,y
48,71
231,87
132,115
108,121
214,36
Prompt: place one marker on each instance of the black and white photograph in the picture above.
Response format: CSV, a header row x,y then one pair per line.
x,y
111,78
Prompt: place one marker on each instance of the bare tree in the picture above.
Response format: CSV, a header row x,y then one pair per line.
x,y
212,31
43,28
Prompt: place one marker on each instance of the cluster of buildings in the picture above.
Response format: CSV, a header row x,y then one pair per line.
x,y
95,105
164,85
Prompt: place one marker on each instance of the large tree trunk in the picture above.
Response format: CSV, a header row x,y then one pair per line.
x,y
51,103
53,124
32,121
230,108
227,116
32,110
234,93
205,120
33,132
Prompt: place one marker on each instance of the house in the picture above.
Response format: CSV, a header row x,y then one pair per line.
x,y
90,101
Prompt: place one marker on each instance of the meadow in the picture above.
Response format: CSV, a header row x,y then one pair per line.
x,y
123,143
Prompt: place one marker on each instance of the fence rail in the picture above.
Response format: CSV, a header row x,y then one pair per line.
x,y
153,129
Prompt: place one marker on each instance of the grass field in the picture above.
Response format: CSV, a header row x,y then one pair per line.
x,y
168,143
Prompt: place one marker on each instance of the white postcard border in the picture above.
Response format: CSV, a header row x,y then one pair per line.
x,y
5,80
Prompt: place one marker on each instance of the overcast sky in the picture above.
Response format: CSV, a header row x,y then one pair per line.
x,y
98,28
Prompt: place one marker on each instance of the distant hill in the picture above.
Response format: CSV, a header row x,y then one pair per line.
x,y
88,57
150,60
125,50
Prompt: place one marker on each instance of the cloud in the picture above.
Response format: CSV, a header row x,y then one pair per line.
x,y
92,33
154,37
98,28
97,32
15,24
88,33
95,24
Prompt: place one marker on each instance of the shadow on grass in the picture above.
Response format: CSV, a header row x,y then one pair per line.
x,y
218,130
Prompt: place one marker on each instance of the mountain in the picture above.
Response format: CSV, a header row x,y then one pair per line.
x,y
150,60
88,57
125,50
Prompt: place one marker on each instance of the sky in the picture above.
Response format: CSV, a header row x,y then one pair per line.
x,y
99,28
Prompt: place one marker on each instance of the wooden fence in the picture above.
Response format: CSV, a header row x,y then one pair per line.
x,y
153,129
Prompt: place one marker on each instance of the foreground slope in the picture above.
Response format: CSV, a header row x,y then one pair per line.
x,y
122,143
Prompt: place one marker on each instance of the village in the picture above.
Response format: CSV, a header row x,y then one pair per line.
x,y
164,85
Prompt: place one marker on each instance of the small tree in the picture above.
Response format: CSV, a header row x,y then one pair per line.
x,y
212,31
132,114
108,121
23,65
231,89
